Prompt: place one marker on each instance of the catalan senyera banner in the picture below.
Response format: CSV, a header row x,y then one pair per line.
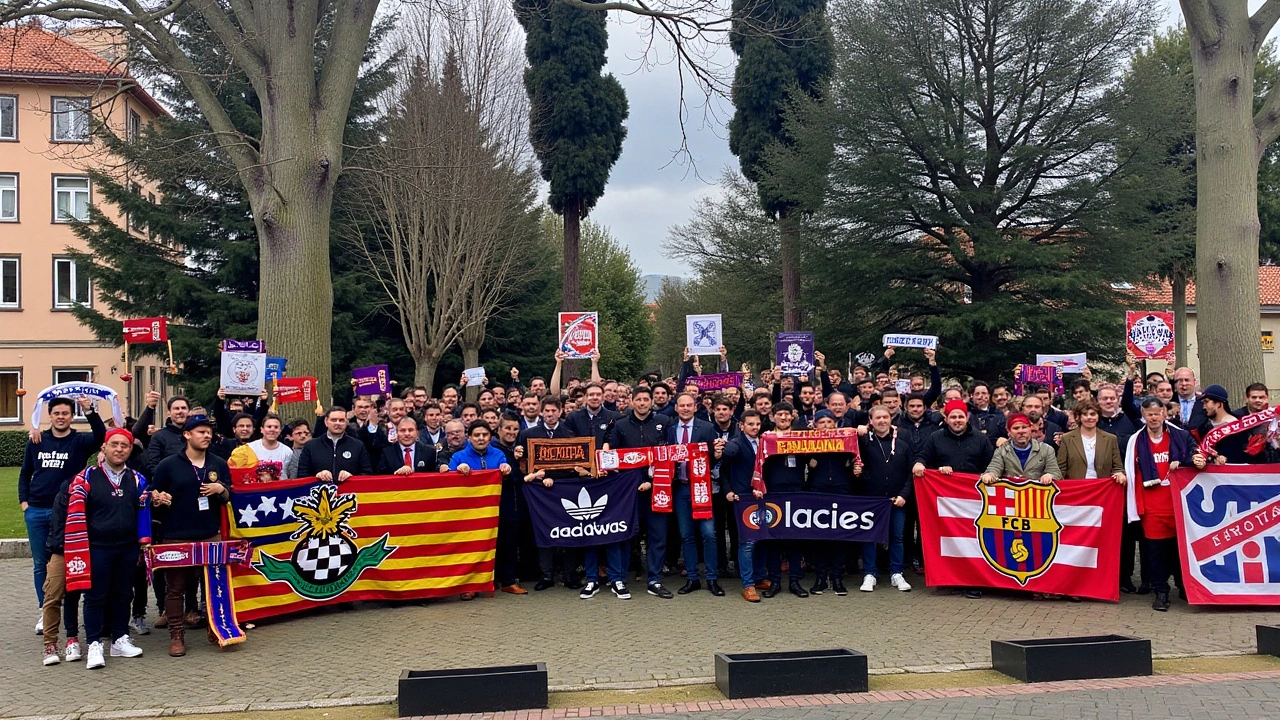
x,y
383,537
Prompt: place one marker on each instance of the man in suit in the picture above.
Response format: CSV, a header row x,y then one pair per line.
x,y
593,418
738,465
690,429
409,454
1191,414
334,456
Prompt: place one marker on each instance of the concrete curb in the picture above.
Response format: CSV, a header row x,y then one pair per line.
x,y
14,548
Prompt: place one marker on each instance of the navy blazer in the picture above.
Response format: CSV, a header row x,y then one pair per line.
x,y
700,431
424,458
739,464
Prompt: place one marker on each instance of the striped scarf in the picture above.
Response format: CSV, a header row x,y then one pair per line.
x,y
76,551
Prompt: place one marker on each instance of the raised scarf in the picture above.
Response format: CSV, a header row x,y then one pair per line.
x,y
1248,422
663,459
801,442
76,550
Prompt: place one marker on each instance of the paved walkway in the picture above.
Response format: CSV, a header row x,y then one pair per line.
x,y
641,642
1244,697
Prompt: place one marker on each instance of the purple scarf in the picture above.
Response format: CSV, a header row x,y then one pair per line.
x,y
1178,442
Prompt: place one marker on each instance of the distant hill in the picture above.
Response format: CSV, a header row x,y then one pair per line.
x,y
653,286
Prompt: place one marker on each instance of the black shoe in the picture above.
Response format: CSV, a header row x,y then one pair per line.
x,y
772,590
657,590
1144,589
1126,587
1161,603
544,584
818,587
1182,593
690,586
715,588
837,586
573,583
797,589
973,594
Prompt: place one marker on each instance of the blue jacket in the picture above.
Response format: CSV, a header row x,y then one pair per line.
x,y
739,464
492,459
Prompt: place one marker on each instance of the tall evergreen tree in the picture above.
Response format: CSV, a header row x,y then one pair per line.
x,y
576,115
197,263
784,57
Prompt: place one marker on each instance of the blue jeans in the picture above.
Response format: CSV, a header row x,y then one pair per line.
x,y
615,562
751,564
775,550
689,531
37,520
897,522
655,539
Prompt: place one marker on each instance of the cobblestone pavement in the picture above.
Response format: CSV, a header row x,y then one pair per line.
x,y
640,642
1239,698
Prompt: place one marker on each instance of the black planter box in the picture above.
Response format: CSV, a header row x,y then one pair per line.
x,y
1072,658
804,672
473,690
1269,640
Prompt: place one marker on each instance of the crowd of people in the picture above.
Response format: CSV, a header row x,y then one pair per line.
x,y
167,478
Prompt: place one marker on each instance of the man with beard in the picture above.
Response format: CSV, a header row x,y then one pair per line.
x,y
432,425
739,463
1232,448
662,400
455,438
1191,412
1257,399
956,447
726,428
593,418
169,439
1048,432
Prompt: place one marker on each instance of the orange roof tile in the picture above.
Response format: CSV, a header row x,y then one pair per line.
x,y
30,50
1160,293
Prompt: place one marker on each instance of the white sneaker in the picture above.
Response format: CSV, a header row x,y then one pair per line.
x,y
896,580
73,650
95,660
51,654
124,647
589,590
40,626
868,583
140,626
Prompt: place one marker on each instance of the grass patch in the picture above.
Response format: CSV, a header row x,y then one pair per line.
x,y
1215,664
11,523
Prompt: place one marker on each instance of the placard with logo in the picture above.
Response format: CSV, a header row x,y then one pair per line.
x,y
244,373
579,334
561,453
794,352
1149,335
585,512
704,334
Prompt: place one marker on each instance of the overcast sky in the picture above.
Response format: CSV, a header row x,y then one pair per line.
x,y
648,192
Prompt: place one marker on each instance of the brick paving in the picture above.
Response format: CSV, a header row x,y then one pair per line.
x,y
337,657
1238,696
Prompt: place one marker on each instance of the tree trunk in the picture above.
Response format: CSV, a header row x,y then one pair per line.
x,y
570,299
470,359
424,372
1227,153
1181,340
789,254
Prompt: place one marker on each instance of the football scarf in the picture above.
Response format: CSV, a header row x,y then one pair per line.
x,y
801,442
1247,422
76,540
213,558
663,459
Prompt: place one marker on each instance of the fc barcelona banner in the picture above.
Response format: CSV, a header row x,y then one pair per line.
x,y
1228,519
1061,538
392,537
585,512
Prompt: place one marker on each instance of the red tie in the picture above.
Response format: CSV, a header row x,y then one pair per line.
x,y
408,457
684,466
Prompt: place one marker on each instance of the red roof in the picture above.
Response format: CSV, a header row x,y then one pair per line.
x,y
30,50
1160,293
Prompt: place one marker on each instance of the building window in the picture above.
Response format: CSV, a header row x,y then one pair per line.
x,y
134,128
70,198
10,403
71,287
8,117
8,198
10,283
66,375
71,119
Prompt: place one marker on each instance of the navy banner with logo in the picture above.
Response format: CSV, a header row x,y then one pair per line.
x,y
813,516
582,512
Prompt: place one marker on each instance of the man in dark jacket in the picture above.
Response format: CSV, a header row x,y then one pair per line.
x,y
52,457
510,508
593,418
984,416
640,428
885,471
56,597
830,473
784,473
551,426
737,466
954,448
243,428
915,424
690,430
1191,415
724,421
409,454
335,456
168,440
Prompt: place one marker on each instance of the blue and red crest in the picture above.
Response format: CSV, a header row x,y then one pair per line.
x,y
1017,530
1229,534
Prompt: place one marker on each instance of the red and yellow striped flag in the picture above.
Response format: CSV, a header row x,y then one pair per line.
x,y
387,537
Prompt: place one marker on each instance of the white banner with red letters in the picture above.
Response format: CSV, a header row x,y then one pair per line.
x,y
1229,533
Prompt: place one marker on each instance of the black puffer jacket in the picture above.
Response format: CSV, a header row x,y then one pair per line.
x,y
968,452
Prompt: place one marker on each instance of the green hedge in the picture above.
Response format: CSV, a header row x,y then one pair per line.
x,y
12,444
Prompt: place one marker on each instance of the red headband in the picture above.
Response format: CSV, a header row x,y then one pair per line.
x,y
118,431
953,405
1019,418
